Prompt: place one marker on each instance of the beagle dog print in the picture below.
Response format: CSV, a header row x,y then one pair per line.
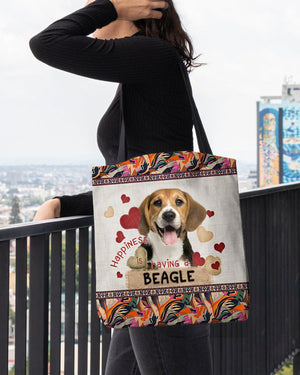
x,y
167,258
167,215
168,241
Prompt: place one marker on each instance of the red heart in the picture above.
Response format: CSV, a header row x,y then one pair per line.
x,y
197,260
132,220
124,198
210,213
119,275
120,236
215,265
219,247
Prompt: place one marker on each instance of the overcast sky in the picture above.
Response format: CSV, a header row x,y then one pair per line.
x,y
51,116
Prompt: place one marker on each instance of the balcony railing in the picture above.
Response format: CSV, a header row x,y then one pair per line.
x,y
62,251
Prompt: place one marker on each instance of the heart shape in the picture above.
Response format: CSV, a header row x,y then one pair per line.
x,y
198,260
120,237
119,275
139,260
204,235
215,266
124,198
109,212
219,247
210,213
132,220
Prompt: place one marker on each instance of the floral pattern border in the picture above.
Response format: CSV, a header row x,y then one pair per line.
x,y
173,165
194,308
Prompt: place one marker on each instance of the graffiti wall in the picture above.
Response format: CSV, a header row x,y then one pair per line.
x,y
268,144
291,142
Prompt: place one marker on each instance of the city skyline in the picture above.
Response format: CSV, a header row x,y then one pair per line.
x,y
33,184
49,116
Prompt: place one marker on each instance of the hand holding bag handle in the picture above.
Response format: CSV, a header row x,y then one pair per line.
x,y
200,132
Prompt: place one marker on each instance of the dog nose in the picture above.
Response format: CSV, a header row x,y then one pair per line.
x,y
168,216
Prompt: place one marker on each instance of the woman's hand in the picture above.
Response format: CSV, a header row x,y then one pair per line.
x,y
48,210
133,10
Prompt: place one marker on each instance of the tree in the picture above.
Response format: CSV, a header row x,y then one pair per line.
x,y
13,191
15,211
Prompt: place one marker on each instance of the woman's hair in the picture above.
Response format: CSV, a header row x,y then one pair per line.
x,y
169,28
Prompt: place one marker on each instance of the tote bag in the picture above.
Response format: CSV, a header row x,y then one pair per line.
x,y
168,237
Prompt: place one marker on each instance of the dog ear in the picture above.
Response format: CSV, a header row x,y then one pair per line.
x,y
196,214
144,225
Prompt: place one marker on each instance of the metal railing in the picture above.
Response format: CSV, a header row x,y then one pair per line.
x,y
46,242
258,346
271,335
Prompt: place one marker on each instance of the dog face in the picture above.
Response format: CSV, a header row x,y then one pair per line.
x,y
170,213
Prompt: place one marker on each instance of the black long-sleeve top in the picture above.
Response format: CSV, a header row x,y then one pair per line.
x,y
157,112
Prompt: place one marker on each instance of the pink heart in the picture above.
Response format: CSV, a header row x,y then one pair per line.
x,y
119,275
210,213
124,198
132,220
120,236
219,247
198,260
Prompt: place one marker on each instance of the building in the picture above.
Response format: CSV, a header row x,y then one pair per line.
x,y
278,135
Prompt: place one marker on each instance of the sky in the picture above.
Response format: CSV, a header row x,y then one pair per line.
x,y
48,116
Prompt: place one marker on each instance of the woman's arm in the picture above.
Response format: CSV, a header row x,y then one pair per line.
x,y
48,210
66,205
66,46
73,205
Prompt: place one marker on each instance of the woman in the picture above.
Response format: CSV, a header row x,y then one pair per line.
x,y
136,44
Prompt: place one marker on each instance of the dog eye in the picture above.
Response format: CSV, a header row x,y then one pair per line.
x,y
157,203
179,202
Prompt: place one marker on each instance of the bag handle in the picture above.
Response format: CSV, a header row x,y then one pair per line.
x,y
200,132
202,140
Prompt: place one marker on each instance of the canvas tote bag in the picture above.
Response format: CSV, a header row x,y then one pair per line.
x,y
168,237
